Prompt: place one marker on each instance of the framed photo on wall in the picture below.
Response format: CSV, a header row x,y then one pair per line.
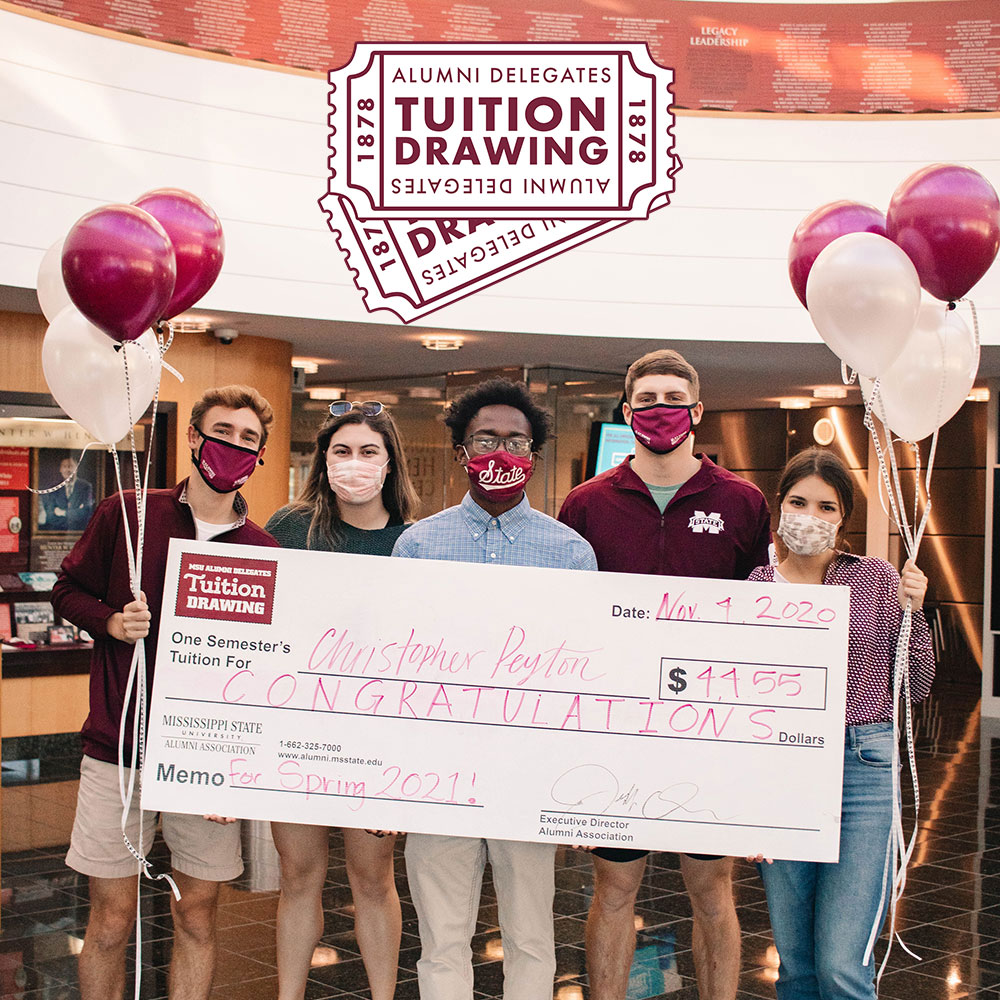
x,y
69,508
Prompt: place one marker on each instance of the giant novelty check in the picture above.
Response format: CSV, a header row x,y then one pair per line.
x,y
522,703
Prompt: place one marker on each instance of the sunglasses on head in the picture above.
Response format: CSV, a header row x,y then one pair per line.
x,y
370,408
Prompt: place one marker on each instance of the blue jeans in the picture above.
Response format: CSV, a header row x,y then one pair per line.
x,y
822,914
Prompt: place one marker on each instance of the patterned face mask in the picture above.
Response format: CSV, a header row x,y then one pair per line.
x,y
806,534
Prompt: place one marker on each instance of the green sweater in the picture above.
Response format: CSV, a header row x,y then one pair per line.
x,y
290,529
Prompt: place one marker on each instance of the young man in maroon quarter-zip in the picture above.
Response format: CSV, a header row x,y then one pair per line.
x,y
668,511
227,436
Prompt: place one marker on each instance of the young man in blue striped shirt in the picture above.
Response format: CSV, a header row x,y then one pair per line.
x,y
498,432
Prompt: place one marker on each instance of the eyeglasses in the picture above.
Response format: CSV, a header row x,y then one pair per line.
x,y
370,408
484,444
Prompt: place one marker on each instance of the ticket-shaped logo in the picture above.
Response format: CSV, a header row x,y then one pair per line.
x,y
501,131
413,267
226,588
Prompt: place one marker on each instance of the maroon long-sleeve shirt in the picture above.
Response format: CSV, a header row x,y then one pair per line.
x,y
94,583
717,525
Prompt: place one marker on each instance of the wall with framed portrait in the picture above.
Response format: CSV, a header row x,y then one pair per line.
x,y
69,484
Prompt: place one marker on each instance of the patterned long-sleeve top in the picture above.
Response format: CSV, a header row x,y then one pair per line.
x,y
875,621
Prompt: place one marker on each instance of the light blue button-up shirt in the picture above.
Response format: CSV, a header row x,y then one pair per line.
x,y
520,536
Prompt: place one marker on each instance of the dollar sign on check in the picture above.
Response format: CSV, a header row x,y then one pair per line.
x,y
677,682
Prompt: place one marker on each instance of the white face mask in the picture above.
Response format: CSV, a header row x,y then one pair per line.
x,y
355,481
806,534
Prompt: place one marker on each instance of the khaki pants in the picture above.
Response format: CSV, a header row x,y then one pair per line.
x,y
445,875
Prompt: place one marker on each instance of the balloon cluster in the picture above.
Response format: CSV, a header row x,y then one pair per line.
x,y
120,271
860,274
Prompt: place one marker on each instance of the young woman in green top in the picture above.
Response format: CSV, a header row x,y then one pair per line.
x,y
358,498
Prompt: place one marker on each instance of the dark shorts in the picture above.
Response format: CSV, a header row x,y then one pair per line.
x,y
620,854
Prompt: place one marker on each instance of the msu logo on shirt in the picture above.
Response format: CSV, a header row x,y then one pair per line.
x,y
701,522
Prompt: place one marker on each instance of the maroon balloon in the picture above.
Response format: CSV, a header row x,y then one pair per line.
x,y
196,233
820,228
119,270
947,219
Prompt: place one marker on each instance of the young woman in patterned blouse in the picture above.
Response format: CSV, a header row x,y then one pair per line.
x,y
822,914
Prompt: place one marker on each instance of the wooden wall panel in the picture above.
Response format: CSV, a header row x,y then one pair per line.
x,y
262,362
37,706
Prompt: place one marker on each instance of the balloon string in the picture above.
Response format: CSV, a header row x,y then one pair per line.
x,y
844,377
137,671
975,334
68,479
899,849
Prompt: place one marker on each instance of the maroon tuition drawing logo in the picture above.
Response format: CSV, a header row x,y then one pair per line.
x,y
454,166
226,588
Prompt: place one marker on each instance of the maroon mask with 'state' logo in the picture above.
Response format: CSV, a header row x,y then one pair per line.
x,y
662,426
499,474
223,465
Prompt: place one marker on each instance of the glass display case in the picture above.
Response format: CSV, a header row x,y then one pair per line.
x,y
52,477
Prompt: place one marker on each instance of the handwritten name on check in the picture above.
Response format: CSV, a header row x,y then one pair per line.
x,y
531,704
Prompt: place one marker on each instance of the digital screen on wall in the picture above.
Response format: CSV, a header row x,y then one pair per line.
x,y
610,445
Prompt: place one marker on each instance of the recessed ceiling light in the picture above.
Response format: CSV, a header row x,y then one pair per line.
x,y
981,394
824,431
795,403
830,392
425,392
190,324
309,365
439,342
325,392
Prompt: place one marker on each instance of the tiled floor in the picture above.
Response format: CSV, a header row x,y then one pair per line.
x,y
950,917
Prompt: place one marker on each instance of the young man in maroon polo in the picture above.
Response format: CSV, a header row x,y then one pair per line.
x,y
666,510
227,435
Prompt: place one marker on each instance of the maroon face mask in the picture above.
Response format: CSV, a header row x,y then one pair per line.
x,y
499,475
662,426
223,465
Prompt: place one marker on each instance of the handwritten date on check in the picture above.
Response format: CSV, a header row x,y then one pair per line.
x,y
571,707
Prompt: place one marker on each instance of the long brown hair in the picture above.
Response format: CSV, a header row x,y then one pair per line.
x,y
317,499
828,467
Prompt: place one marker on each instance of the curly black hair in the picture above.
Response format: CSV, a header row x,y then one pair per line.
x,y
497,392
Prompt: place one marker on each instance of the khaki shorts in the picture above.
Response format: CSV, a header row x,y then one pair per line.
x,y
198,847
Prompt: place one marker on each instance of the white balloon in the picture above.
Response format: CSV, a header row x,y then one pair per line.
x,y
51,289
863,295
930,380
86,373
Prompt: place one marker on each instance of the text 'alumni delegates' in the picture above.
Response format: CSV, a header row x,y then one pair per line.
x,y
498,432
357,498
227,435
666,510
